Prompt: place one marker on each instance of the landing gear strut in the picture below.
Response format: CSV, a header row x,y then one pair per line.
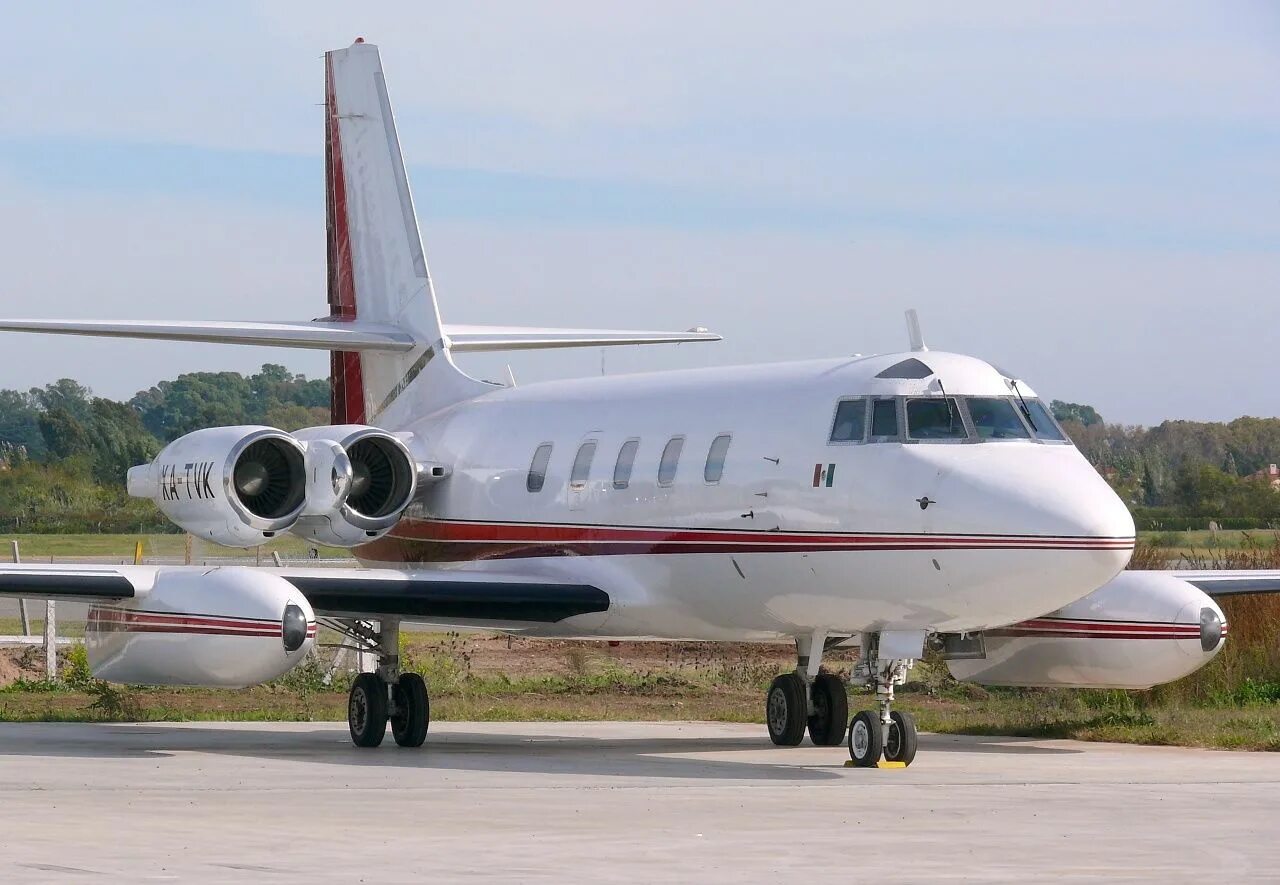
x,y
887,732
386,695
807,699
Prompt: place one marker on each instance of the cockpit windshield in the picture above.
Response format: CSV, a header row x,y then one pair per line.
x,y
996,418
1042,422
935,418
974,419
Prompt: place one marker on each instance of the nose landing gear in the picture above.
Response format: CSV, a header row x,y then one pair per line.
x,y
886,732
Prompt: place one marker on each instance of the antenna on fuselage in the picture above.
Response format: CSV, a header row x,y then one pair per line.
x,y
913,332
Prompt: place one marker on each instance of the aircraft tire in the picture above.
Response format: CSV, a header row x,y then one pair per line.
x,y
367,710
901,739
866,739
786,710
413,710
831,711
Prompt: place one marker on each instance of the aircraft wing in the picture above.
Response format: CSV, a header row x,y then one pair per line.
x,y
1231,583
430,596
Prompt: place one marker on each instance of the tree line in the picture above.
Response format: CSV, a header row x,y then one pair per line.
x,y
64,452
1183,474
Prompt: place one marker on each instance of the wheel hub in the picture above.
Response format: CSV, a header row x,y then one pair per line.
x,y
777,711
861,739
358,710
892,742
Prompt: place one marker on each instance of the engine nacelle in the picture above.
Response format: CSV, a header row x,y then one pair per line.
x,y
363,478
1138,630
235,486
229,627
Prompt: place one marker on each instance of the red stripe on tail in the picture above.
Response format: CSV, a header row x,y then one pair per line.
x,y
346,379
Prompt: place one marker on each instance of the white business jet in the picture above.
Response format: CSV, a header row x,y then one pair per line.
x,y
886,502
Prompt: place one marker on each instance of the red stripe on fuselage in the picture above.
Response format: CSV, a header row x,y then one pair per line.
x,y
441,541
346,376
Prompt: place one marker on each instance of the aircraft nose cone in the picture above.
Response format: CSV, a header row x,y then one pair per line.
x,y
1080,504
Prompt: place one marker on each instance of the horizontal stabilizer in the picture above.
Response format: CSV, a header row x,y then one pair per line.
x,y
466,339
317,335
351,335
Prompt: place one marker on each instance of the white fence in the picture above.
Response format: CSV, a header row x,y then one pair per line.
x,y
49,639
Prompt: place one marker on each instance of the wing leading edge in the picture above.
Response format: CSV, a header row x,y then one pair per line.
x,y
436,597
1231,583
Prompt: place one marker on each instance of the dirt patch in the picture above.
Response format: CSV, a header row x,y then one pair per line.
x,y
25,662
492,655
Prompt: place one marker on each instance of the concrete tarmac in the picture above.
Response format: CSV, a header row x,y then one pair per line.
x,y
616,802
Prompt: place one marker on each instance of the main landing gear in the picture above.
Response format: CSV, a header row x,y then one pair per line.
x,y
386,695
813,700
807,700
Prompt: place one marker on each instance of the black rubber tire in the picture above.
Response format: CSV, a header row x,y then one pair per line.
x,y
901,739
830,711
367,710
413,710
786,710
866,739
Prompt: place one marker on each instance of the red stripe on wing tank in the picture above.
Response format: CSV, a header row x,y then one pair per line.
x,y
1073,628
115,620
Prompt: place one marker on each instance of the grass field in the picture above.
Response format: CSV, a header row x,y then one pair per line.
x,y
1232,703
478,677
35,547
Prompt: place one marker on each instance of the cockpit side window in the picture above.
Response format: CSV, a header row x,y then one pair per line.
x,y
935,418
996,418
1042,422
850,424
884,418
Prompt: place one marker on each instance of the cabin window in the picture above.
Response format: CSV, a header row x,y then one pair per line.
x,y
582,464
670,461
934,419
850,423
884,418
1042,422
714,468
996,418
538,468
626,460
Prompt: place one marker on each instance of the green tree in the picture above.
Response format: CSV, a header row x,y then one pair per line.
x,y
1081,414
20,423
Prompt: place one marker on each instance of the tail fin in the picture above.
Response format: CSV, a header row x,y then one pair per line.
x,y
391,357
377,268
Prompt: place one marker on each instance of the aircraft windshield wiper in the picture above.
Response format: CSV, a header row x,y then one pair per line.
x,y
951,413
1022,404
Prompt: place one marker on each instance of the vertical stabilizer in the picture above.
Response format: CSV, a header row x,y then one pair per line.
x,y
377,268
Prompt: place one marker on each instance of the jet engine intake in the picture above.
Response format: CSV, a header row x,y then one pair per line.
x,y
235,486
381,481
1138,630
228,628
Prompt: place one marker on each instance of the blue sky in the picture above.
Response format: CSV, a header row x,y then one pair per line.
x,y
1088,196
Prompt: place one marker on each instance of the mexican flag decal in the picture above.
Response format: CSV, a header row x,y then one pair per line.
x,y
824,474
